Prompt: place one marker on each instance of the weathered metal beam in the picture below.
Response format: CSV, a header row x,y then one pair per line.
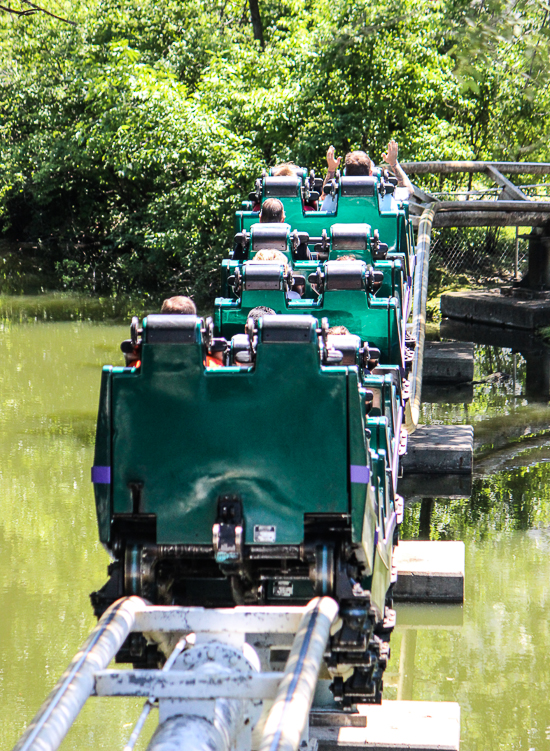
x,y
416,209
488,219
542,206
511,190
422,195
186,684
259,620
446,168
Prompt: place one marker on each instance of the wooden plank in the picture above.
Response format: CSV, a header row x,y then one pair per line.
x,y
512,191
446,168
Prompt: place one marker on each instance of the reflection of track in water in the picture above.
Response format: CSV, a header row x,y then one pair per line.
x,y
522,453
532,349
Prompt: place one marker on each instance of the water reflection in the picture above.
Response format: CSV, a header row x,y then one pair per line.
x,y
51,559
495,664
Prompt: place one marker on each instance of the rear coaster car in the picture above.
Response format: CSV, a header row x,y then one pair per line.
x,y
252,483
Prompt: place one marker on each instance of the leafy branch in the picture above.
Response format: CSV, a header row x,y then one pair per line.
x,y
32,10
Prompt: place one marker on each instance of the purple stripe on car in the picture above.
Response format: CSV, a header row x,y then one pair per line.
x,y
101,475
358,473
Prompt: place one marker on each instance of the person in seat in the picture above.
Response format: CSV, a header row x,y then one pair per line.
x,y
260,311
287,169
172,305
179,304
337,331
270,255
358,163
272,211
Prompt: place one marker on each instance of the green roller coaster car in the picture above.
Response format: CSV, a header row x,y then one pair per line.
x,y
366,200
346,298
270,477
206,480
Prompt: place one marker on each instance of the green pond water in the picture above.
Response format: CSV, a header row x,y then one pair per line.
x,y
495,664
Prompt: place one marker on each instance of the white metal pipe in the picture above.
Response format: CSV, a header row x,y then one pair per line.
x,y
290,711
421,273
203,733
191,733
55,717
136,732
262,619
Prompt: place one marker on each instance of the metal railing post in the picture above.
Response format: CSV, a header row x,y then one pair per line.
x,y
412,412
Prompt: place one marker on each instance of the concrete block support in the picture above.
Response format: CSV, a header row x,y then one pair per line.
x,y
429,571
415,487
448,362
490,307
440,449
397,726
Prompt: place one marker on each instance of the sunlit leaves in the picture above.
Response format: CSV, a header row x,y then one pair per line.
x,y
129,140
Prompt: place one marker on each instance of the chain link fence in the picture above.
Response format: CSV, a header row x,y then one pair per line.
x,y
481,253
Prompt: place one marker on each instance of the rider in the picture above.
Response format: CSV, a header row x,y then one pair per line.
x,y
359,163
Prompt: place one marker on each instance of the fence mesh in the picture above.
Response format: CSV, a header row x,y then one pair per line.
x,y
482,253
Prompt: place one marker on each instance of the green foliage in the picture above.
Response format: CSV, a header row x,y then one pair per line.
x,y
128,140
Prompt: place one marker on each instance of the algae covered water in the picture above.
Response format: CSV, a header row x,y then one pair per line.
x,y
50,557
493,659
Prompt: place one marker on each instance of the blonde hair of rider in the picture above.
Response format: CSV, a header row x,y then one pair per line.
x,y
270,254
337,331
285,169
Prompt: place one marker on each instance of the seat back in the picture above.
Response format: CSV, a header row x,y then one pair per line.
x,y
187,436
360,200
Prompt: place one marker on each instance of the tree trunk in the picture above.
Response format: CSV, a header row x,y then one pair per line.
x,y
256,21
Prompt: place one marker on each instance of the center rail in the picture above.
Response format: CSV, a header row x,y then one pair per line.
x,y
210,691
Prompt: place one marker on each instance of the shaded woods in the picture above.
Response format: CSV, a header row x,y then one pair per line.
x,y
128,139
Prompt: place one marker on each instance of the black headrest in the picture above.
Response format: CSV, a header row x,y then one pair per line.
x,y
344,275
240,349
350,236
263,275
281,187
279,329
171,329
347,344
364,185
272,236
